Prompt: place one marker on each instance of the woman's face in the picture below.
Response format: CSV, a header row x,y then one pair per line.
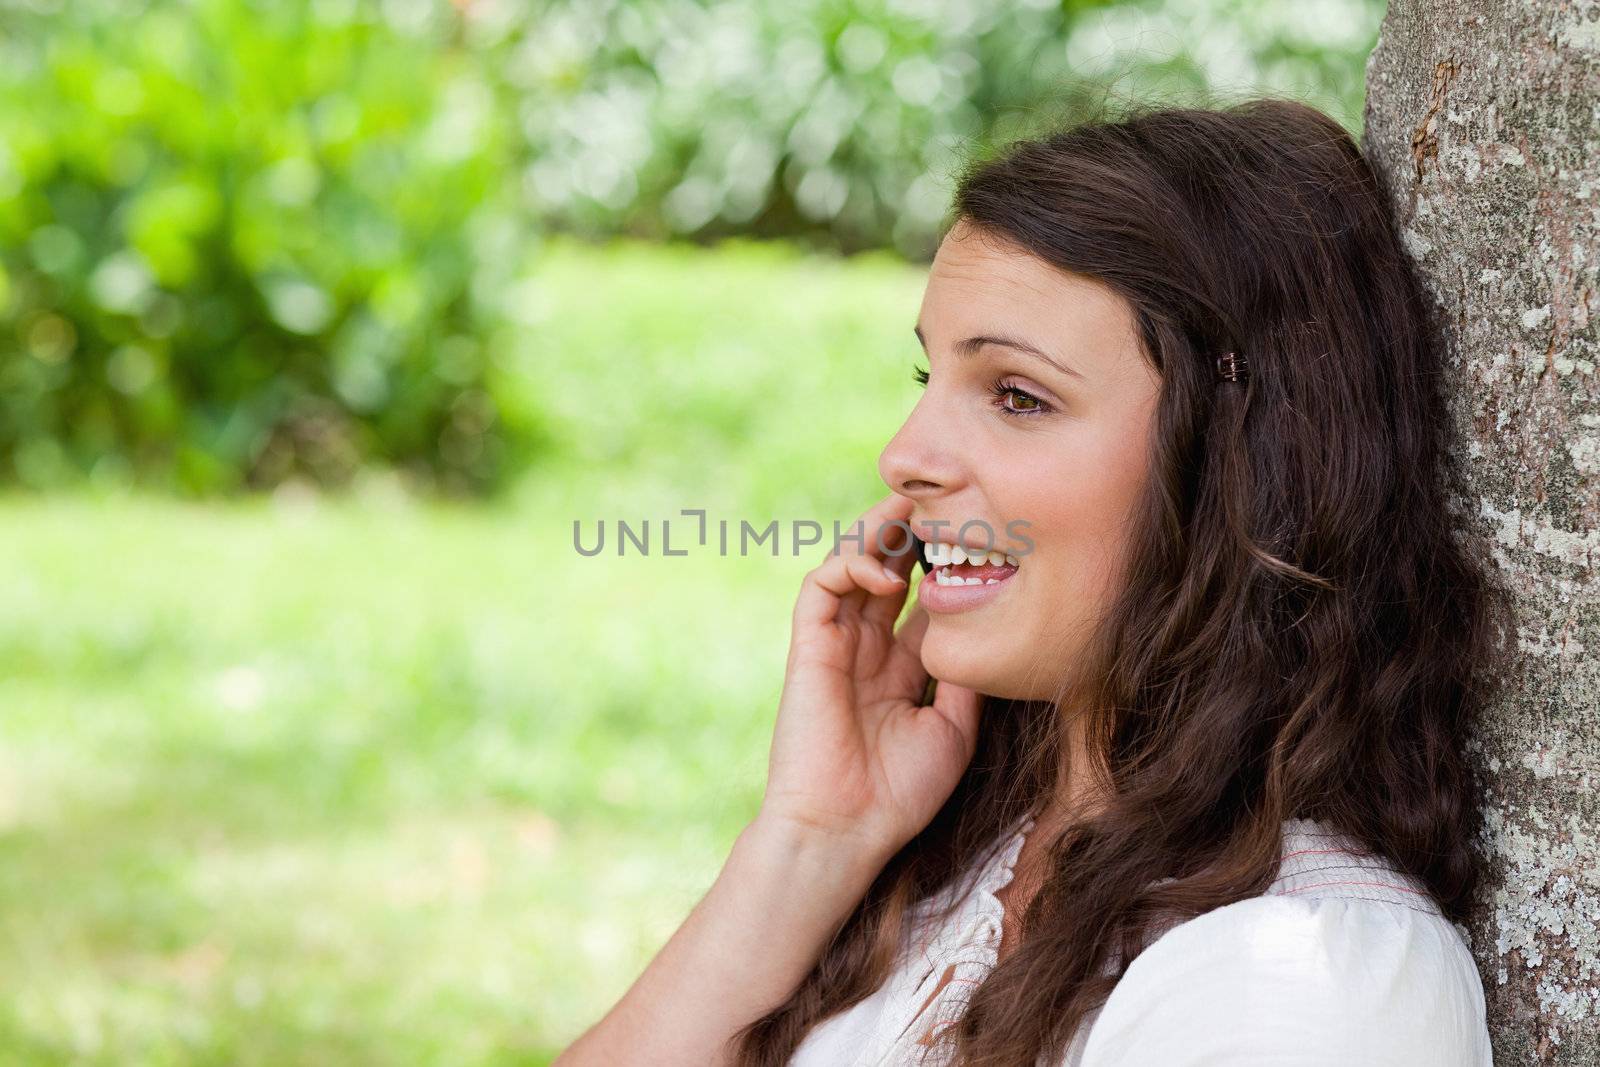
x,y
1070,460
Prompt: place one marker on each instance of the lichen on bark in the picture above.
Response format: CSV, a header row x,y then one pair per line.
x,y
1483,123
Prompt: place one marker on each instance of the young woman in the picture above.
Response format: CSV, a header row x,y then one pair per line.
x,y
1191,786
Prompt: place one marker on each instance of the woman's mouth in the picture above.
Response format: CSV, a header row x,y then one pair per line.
x,y
959,565
963,578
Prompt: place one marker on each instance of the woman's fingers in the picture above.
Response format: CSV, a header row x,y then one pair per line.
x,y
854,574
856,566
882,611
960,707
891,537
957,704
905,655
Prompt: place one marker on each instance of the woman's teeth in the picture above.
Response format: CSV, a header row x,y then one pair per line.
x,y
942,576
943,552
947,557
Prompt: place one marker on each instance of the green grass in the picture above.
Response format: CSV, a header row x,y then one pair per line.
x,y
372,781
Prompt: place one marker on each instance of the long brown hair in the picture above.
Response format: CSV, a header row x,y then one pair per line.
x,y
1298,632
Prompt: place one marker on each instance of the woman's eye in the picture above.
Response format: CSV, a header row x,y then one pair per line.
x,y
1030,405
1027,404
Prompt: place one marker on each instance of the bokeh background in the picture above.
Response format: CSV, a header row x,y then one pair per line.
x,y
321,323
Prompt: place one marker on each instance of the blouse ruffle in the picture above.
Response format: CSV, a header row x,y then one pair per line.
x,y
968,944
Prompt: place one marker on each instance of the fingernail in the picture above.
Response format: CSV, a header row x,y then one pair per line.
x,y
893,576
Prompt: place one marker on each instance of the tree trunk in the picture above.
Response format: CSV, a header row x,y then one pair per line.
x,y
1483,122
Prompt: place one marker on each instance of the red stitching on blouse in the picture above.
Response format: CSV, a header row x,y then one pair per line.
x,y
1319,851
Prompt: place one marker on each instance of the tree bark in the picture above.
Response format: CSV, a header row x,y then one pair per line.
x,y
1483,122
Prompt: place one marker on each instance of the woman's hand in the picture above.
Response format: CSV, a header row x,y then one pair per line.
x,y
857,769
854,754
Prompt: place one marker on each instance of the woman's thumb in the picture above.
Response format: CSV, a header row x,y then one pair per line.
x,y
960,707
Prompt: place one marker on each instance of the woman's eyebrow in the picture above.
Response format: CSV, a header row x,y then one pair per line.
x,y
972,344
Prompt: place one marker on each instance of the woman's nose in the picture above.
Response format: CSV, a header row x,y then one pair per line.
x,y
914,463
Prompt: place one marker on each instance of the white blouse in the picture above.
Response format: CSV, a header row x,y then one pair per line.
x,y
1343,960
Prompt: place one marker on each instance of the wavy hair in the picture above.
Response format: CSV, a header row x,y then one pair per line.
x,y
1298,633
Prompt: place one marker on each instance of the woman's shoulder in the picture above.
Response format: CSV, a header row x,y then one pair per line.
x,y
1344,959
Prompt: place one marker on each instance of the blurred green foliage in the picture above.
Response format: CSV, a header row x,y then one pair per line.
x,y
246,241
241,242
842,120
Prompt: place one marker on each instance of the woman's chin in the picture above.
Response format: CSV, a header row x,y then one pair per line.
x,y
950,658
968,669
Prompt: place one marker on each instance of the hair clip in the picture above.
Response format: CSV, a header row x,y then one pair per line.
x,y
1232,367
